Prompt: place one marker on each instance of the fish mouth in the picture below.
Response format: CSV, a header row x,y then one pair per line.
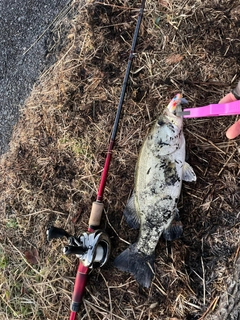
x,y
175,105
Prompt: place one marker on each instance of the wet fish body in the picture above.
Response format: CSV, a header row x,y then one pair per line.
x,y
160,169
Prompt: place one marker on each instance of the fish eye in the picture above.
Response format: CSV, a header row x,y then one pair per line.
x,y
161,122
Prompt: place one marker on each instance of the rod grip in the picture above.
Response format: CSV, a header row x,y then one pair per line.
x,y
96,214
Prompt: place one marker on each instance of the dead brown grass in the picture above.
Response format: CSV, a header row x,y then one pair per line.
x,y
52,171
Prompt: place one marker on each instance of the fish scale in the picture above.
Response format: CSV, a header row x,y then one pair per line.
x,y
160,170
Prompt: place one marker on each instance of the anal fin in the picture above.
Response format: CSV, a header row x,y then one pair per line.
x,y
130,213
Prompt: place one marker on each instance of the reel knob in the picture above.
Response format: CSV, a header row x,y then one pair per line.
x,y
55,233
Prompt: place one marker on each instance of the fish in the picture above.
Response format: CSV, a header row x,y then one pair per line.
x,y
152,207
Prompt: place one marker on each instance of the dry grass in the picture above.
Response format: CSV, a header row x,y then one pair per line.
x,y
52,171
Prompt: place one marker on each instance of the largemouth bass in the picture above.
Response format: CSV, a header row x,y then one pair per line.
x,y
160,169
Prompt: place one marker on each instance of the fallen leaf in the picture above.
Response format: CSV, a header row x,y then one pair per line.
x,y
174,58
165,3
77,216
32,256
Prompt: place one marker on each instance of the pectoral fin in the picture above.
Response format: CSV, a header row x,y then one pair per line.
x,y
130,213
188,173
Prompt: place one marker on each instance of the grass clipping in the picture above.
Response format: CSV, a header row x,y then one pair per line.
x,y
52,171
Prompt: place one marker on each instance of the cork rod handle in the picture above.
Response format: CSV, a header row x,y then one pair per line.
x,y
96,214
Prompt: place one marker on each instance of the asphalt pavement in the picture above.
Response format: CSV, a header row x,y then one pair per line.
x,y
25,32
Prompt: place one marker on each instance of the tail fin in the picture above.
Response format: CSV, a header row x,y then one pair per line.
x,y
138,264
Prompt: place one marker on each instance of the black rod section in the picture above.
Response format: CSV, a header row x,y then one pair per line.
x,y
131,55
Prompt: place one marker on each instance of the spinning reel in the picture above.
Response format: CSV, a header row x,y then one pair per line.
x,y
93,249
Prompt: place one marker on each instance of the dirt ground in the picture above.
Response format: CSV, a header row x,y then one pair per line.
x,y
52,171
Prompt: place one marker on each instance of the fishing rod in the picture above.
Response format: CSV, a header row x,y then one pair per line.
x,y
93,247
